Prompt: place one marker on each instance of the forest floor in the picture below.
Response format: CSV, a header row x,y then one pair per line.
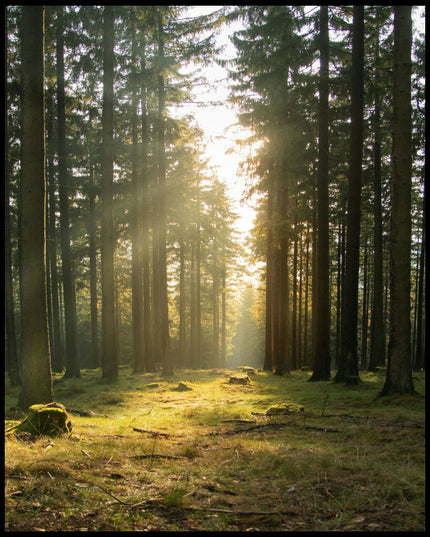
x,y
145,456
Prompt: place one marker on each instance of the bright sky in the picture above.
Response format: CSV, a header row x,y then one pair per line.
x,y
218,122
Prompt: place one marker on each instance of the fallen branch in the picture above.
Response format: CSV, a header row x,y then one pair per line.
x,y
152,433
156,456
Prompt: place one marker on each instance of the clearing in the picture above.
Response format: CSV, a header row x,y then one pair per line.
x,y
197,452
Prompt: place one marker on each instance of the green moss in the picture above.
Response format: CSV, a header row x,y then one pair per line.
x,y
284,408
50,420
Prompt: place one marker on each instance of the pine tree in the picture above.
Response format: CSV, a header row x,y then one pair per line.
x,y
36,382
399,367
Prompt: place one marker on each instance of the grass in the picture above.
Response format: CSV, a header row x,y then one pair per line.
x,y
150,457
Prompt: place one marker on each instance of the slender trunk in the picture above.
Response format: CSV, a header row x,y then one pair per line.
x,y
109,352
11,351
420,333
377,336
223,318
166,359
92,228
138,343
55,328
365,319
294,316
268,355
182,321
145,224
72,358
305,321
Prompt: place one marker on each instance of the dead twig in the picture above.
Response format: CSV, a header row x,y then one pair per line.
x,y
155,455
152,433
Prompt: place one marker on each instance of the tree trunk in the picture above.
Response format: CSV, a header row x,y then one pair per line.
x,y
11,350
418,362
399,369
72,357
348,363
268,354
223,317
166,359
56,338
280,288
182,321
136,307
36,381
145,224
109,349
322,327
92,228
365,316
377,334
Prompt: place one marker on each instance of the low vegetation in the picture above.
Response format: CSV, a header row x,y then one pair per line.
x,y
146,453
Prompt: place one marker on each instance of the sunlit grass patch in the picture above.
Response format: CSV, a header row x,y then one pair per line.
x,y
348,455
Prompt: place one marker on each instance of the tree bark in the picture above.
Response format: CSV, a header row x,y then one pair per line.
x,y
136,270
399,369
322,327
72,356
377,334
109,349
36,381
348,362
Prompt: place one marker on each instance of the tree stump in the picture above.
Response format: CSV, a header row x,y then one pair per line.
x,y
50,420
236,379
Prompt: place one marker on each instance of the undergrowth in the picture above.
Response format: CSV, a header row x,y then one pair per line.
x,y
144,455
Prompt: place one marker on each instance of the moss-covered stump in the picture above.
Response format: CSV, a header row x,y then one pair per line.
x,y
284,408
50,420
182,387
239,379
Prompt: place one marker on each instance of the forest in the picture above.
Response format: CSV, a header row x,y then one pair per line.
x,y
136,308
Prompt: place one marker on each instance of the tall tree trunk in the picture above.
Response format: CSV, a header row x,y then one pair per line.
x,y
182,320
136,270
215,307
268,354
36,381
418,362
109,349
280,288
399,369
322,310
294,337
72,357
348,363
11,350
365,316
305,320
223,316
166,358
56,338
145,225
92,229
377,334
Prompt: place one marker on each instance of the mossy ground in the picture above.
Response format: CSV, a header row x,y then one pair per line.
x,y
348,462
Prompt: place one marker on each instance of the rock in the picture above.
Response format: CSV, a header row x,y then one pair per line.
x,y
152,385
284,408
50,420
236,379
